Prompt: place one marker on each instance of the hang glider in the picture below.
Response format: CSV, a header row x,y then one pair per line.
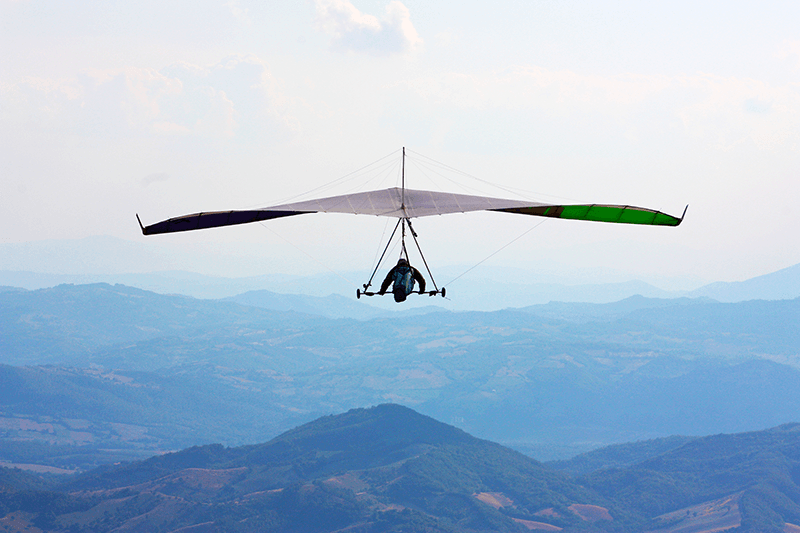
x,y
408,203
405,204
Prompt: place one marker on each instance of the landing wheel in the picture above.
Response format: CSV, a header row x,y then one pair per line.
x,y
358,294
442,292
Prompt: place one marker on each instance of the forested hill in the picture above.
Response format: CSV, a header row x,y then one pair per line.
x,y
388,468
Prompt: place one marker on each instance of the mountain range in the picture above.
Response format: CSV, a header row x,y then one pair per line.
x,y
97,373
105,259
388,468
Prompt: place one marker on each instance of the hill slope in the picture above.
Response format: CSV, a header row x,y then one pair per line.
x,y
389,468
377,469
758,473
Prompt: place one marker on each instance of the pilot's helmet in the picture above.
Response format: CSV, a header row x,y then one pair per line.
x,y
402,261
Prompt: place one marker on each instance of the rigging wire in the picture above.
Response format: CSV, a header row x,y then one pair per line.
x,y
414,234
506,189
346,177
476,265
386,170
383,234
342,179
287,241
368,283
422,169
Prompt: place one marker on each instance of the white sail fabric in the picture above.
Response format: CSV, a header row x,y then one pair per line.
x,y
389,203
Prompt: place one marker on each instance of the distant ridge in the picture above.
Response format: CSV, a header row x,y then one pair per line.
x,y
332,306
783,284
571,310
150,266
617,372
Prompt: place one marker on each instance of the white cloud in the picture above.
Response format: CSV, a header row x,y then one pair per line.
x,y
723,112
120,100
236,96
729,112
239,12
352,30
790,50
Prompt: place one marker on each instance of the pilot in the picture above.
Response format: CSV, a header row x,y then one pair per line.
x,y
402,275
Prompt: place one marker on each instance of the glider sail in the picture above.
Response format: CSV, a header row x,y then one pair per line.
x,y
409,203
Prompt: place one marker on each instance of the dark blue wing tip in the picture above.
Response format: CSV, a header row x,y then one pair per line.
x,y
140,224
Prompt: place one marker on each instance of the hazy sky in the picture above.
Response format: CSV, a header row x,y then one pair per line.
x,y
166,108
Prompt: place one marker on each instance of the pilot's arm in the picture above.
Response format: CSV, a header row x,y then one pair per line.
x,y
387,280
419,278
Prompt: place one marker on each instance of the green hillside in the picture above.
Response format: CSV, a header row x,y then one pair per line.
x,y
763,464
381,469
619,455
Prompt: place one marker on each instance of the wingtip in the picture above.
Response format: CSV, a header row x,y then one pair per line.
x,y
140,224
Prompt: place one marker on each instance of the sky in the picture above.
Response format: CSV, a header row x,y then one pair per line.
x,y
113,108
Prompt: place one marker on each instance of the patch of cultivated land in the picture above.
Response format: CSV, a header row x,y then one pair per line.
x,y
707,517
530,524
590,513
18,522
495,499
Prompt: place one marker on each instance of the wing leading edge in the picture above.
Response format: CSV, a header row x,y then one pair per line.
x,y
411,203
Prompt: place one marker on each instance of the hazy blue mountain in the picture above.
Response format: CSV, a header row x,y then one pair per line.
x,y
63,322
155,266
479,292
783,284
80,417
541,382
7,288
607,311
333,306
163,282
619,455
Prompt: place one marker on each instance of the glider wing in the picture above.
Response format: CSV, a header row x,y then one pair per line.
x,y
409,203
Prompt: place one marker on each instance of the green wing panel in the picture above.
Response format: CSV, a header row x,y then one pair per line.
x,y
620,214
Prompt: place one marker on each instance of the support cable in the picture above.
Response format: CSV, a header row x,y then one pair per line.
x,y
414,234
369,283
496,252
520,192
287,241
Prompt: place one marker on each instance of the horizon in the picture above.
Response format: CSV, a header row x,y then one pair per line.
x,y
488,288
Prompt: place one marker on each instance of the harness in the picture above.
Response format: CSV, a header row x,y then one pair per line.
x,y
403,279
